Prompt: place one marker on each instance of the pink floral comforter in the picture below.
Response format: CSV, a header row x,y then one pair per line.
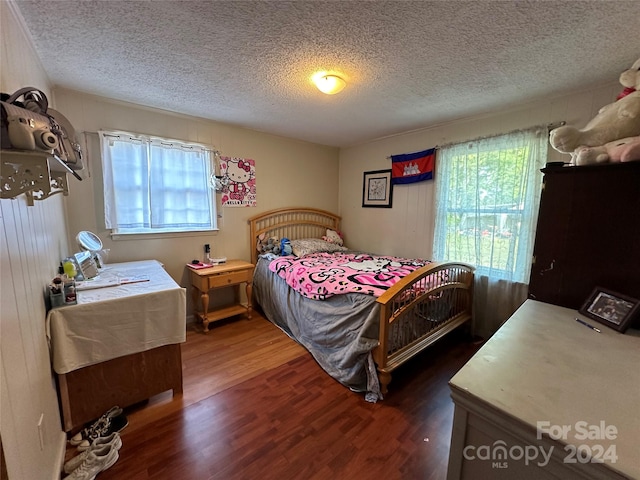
x,y
322,275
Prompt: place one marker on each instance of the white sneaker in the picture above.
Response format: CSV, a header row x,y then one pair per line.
x,y
113,440
95,462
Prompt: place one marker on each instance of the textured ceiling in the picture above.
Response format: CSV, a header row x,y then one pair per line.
x,y
408,65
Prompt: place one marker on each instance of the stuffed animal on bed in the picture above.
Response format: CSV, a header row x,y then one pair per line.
x,y
285,247
615,121
333,237
268,245
623,150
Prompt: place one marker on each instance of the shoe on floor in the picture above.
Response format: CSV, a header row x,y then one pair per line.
x,y
106,428
87,432
113,440
95,462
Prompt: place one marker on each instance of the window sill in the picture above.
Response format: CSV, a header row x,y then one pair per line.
x,y
148,236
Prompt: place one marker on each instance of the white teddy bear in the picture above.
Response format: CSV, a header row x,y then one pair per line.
x,y
333,237
622,150
617,120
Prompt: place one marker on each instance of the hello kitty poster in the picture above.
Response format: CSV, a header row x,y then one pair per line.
x,y
239,180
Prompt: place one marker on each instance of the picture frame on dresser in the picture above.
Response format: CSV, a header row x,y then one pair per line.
x,y
610,308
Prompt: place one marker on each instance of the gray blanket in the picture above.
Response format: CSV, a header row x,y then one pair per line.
x,y
339,332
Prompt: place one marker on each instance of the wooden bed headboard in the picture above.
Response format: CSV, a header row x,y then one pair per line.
x,y
292,223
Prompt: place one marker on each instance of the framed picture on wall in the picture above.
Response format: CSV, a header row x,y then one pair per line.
x,y
377,190
610,308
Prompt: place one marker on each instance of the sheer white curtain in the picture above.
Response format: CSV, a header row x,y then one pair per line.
x,y
487,199
180,193
155,185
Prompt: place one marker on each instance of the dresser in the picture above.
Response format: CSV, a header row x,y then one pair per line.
x,y
548,398
588,233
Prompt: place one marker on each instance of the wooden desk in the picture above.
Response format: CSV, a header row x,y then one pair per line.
x,y
229,274
547,382
120,344
88,392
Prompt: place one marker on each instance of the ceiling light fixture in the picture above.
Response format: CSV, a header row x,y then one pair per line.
x,y
330,84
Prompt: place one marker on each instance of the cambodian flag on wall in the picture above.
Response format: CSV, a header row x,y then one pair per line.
x,y
413,167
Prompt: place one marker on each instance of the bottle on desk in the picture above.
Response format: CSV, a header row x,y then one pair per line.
x,y
56,292
70,294
69,289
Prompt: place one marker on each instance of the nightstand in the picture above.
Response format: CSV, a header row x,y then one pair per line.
x,y
232,273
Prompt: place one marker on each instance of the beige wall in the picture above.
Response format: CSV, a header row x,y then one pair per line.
x,y
284,168
406,229
33,241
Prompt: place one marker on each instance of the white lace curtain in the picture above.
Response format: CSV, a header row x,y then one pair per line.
x,y
487,199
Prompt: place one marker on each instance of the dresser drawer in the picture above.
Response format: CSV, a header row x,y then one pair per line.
x,y
230,278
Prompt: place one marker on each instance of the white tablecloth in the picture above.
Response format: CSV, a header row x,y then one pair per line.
x,y
118,320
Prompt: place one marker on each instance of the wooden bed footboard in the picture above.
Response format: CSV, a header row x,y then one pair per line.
x,y
420,309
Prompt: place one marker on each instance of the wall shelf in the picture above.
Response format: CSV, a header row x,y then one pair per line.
x,y
39,175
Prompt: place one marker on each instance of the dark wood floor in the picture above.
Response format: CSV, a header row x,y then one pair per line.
x,y
257,406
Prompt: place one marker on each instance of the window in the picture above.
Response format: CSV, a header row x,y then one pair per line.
x,y
156,185
487,198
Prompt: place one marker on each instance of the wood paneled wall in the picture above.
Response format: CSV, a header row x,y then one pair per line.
x,y
32,243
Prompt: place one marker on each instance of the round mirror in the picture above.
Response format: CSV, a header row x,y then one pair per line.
x,y
89,241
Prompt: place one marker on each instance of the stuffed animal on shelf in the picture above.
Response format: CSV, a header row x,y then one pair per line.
x,y
630,80
623,150
620,119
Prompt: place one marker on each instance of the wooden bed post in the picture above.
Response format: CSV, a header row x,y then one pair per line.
x,y
380,353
